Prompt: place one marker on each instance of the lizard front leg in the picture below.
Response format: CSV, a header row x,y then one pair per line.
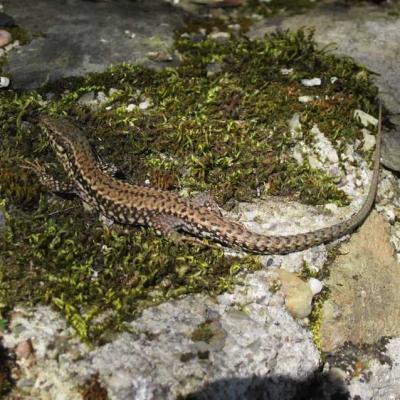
x,y
48,181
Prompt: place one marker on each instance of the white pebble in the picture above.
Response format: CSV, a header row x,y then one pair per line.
x,y
4,82
219,35
286,71
306,99
315,285
5,38
334,79
295,126
365,118
369,140
144,105
130,107
311,82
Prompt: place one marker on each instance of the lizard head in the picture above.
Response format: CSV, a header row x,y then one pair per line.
x,y
66,138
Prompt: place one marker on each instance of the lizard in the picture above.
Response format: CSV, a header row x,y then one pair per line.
x,y
167,212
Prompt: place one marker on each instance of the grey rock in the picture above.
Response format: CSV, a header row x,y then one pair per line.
x,y
255,347
383,381
364,301
81,37
6,20
391,145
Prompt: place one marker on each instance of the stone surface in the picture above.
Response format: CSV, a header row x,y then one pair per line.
x,y
370,35
384,378
364,301
5,38
196,344
77,37
298,294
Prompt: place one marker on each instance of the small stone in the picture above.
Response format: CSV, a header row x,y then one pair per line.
x,y
365,118
295,126
369,140
286,71
306,99
5,38
213,68
144,105
315,285
131,107
311,82
86,98
221,36
298,295
160,56
24,349
4,82
101,98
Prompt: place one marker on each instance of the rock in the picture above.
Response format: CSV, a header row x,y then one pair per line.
x,y
193,344
298,295
5,38
383,376
6,20
315,286
364,300
214,68
311,82
220,36
295,126
24,349
369,140
70,46
306,99
4,82
391,146
365,118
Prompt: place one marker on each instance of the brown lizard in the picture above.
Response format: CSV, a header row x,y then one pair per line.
x,y
166,212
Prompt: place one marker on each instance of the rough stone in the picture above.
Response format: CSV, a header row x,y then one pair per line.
x,y
364,301
5,38
248,334
383,381
298,294
81,36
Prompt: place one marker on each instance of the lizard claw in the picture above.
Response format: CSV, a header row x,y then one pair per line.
x,y
34,166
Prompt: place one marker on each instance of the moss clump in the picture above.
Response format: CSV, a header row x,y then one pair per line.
x,y
93,390
203,333
191,130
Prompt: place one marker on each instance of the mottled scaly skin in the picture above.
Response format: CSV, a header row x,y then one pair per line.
x,y
169,213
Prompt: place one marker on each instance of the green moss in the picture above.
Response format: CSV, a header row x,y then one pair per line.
x,y
203,333
226,132
315,317
20,34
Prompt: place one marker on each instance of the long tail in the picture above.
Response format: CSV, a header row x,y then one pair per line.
x,y
238,236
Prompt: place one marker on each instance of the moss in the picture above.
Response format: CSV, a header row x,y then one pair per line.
x,y
226,132
6,365
315,317
203,333
20,34
93,390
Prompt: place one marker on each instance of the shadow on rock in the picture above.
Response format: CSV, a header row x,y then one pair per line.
x,y
318,387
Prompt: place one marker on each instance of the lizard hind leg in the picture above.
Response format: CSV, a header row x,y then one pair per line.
x,y
174,228
204,199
